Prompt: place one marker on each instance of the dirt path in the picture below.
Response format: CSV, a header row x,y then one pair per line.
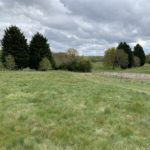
x,y
137,76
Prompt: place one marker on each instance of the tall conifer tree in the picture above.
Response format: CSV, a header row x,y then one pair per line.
x,y
15,44
39,49
139,52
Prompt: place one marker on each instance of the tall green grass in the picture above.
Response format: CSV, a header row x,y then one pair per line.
x,y
73,111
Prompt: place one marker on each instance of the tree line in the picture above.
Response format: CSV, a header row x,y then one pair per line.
x,y
17,54
124,57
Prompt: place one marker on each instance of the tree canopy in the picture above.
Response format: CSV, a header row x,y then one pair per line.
x,y
109,58
139,52
14,43
124,46
116,58
39,49
72,52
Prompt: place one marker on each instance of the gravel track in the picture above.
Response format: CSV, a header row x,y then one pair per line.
x,y
137,76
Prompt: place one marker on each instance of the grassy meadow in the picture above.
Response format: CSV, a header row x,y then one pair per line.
x,y
73,111
100,67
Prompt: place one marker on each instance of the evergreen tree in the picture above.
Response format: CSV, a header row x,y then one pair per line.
x,y
124,46
139,52
39,48
15,44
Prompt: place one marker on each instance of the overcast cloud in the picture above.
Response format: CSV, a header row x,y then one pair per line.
x,y
90,26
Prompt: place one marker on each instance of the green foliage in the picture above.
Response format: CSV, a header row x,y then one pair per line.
x,y
137,61
139,52
121,59
27,69
15,44
109,58
96,58
85,65
60,58
116,58
77,64
72,63
10,62
124,46
39,48
148,58
1,64
45,64
0,55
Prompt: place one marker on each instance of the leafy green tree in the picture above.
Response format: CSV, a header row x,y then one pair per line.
x,y
124,46
121,59
15,44
139,52
45,64
39,48
109,57
10,62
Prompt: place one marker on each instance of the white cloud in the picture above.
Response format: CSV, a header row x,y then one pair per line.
x,y
90,26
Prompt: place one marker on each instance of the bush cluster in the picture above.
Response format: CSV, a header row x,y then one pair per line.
x,y
45,65
77,64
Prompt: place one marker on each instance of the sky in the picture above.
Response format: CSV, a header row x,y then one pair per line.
x,y
90,26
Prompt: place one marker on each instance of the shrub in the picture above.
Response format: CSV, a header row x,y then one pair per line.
x,y
60,59
27,69
45,64
85,65
10,62
77,65
137,61
121,59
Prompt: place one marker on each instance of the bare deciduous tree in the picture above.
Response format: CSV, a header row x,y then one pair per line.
x,y
72,52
